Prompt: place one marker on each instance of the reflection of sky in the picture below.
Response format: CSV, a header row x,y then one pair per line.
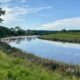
x,y
65,52
62,44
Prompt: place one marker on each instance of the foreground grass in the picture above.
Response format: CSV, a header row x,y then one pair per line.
x,y
15,65
18,69
63,36
12,68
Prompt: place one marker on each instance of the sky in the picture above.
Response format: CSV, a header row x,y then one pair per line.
x,y
42,14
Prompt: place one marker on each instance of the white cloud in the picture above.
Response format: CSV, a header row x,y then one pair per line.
x,y
38,9
15,13
4,1
12,13
69,23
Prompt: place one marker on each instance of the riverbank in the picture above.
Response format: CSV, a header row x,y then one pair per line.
x,y
63,36
51,68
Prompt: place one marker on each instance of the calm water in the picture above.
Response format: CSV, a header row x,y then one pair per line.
x,y
63,52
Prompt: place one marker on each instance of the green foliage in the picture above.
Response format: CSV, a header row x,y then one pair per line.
x,y
21,32
4,32
2,12
17,31
38,32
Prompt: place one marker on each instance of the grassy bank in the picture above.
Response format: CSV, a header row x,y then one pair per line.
x,y
18,65
63,36
19,69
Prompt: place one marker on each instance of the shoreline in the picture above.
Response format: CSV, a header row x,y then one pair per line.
x,y
61,40
50,64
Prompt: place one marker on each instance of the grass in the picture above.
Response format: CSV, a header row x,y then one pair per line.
x,y
18,69
16,65
63,36
12,68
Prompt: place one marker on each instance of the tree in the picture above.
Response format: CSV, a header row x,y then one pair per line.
x,y
2,12
12,29
17,28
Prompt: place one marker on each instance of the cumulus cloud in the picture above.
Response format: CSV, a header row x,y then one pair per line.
x,y
69,23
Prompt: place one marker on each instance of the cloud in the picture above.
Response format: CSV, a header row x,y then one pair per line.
x,y
69,23
4,1
38,9
15,13
7,1
12,13
16,10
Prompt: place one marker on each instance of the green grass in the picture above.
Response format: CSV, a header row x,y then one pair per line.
x,y
13,68
16,65
63,36
18,69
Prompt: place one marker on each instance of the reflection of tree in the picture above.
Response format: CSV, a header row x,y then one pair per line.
x,y
29,38
18,40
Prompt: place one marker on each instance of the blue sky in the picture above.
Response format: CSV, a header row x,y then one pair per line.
x,y
42,14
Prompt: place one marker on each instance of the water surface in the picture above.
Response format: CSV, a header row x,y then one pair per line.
x,y
53,50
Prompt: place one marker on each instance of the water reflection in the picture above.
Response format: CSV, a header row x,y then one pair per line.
x,y
64,44
18,40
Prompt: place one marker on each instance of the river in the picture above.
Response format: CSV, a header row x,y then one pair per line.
x,y
52,50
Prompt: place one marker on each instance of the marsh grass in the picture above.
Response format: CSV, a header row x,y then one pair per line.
x,y
63,36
